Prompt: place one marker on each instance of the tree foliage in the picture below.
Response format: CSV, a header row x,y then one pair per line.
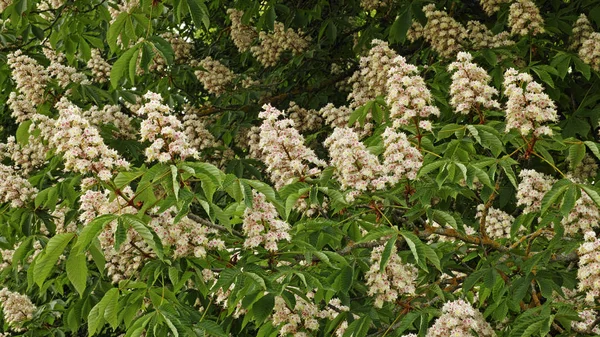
x,y
305,168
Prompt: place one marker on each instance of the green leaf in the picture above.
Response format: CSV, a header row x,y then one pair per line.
x,y
212,328
175,181
121,66
544,76
22,135
263,308
387,252
583,68
569,200
163,47
593,147
592,193
97,315
199,13
50,255
576,154
552,196
77,271
91,231
444,218
115,29
146,233
400,27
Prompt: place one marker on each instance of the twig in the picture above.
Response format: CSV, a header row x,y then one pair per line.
x,y
209,223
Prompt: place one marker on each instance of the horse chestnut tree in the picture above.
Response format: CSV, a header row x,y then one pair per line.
x,y
299,168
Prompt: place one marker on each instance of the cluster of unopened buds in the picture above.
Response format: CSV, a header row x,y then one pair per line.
x,y
241,34
99,67
492,6
304,119
273,44
524,18
445,34
584,217
216,77
481,37
111,114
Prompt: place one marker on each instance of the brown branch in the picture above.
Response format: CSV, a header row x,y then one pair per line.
x,y
209,223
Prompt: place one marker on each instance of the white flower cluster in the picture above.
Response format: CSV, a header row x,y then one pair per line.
x,y
164,130
588,168
117,7
582,29
445,34
216,77
304,316
22,108
262,225
64,75
588,273
7,257
408,97
182,49
186,237
132,253
26,157
524,18
370,80
492,6
99,67
459,318
335,117
284,151
590,51
304,119
358,169
527,106
497,222
82,147
415,31
14,188
531,190
355,167
241,34
4,4
111,114
470,89
17,308
251,140
481,37
31,78
370,5
584,217
272,45
401,159
395,280
195,129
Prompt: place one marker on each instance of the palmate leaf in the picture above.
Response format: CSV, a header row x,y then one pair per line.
x,y
47,260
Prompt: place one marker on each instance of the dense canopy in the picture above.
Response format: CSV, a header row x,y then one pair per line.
x,y
299,168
